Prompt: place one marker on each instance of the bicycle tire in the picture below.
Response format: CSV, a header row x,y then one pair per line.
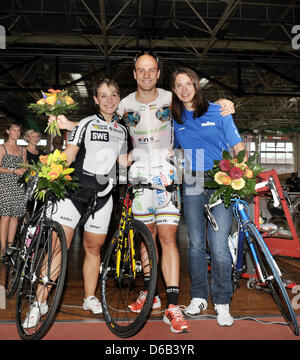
x,y
36,279
14,263
116,295
275,284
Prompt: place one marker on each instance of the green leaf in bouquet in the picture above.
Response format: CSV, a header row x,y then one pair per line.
x,y
240,156
227,195
252,159
216,195
216,163
211,184
57,189
226,155
211,173
43,183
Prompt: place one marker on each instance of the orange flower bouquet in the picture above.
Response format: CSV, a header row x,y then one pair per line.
x,y
55,102
233,177
53,175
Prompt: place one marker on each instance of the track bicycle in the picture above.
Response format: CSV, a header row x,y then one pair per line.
x,y
42,258
268,272
44,269
130,257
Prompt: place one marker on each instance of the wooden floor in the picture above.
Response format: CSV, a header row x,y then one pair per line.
x,y
246,302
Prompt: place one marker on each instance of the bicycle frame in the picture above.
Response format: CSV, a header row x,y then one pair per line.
x,y
122,240
266,268
244,220
126,216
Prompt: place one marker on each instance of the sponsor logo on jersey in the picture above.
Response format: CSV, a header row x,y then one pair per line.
x,y
99,127
145,140
208,123
99,136
164,114
132,118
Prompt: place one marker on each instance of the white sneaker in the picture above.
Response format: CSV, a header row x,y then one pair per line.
x,y
196,306
33,316
223,315
93,304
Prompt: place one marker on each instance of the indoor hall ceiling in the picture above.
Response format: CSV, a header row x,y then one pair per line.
x,y
245,49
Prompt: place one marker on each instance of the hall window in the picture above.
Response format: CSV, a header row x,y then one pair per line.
x,y
277,154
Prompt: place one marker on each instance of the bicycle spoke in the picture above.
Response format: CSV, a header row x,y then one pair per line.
x,y
41,282
118,293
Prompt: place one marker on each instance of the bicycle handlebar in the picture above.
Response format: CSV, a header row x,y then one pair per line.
x,y
143,182
107,190
269,183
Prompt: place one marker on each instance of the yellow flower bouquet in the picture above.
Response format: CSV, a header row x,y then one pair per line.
x,y
55,102
53,175
233,177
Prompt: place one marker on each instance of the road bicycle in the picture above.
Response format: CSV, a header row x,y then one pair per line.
x,y
130,257
267,271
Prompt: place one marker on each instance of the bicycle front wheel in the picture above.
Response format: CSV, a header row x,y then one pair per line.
x,y
121,288
41,283
272,276
14,259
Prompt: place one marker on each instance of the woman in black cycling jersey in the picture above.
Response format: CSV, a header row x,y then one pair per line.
x,y
93,148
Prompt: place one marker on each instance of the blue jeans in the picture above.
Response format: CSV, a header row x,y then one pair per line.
x,y
221,286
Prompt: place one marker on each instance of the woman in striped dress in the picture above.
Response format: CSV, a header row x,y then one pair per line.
x,y
12,204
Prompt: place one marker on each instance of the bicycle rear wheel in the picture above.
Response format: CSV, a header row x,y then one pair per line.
x,y
42,280
273,279
14,260
117,293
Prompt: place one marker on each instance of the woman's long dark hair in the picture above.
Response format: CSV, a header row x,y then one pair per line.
x,y
200,104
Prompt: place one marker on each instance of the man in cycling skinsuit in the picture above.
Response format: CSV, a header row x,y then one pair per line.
x,y
150,129
147,116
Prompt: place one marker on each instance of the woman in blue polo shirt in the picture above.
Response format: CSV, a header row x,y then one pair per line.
x,y
203,133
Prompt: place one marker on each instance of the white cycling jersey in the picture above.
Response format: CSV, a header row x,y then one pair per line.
x,y
151,131
100,143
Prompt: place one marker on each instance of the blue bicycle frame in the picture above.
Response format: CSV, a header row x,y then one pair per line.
x,y
240,211
267,270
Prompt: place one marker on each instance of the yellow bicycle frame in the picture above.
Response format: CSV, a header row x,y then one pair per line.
x,y
122,241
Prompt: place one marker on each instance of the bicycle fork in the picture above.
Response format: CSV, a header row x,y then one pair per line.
x,y
244,223
257,263
123,242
